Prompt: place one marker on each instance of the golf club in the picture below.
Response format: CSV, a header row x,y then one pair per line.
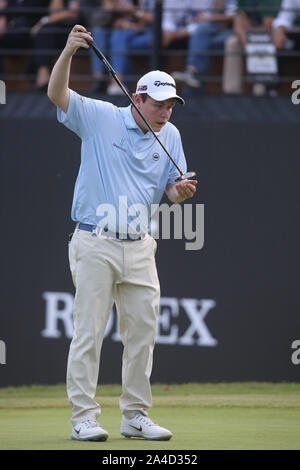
x,y
183,176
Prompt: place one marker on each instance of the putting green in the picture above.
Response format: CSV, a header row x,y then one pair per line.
x,y
201,416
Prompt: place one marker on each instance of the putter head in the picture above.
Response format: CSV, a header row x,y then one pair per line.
x,y
186,176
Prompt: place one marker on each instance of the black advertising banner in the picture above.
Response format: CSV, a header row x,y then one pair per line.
x,y
229,311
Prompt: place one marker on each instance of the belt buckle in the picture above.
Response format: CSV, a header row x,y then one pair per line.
x,y
100,232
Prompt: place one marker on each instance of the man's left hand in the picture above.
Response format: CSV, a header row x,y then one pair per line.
x,y
186,189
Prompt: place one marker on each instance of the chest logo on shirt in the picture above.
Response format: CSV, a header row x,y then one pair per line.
x,y
119,147
155,156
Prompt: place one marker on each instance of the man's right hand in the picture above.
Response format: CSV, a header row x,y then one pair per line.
x,y
76,39
58,87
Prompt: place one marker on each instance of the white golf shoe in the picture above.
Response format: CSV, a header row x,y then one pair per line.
x,y
89,430
142,426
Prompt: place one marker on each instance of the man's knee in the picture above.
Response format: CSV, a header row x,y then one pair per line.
x,y
205,28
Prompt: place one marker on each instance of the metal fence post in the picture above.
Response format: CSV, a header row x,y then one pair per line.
x,y
156,57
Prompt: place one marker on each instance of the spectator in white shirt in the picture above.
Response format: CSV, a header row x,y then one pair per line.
x,y
284,23
178,21
286,31
208,30
253,15
118,26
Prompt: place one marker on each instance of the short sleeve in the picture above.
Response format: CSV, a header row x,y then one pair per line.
x,y
169,17
179,157
286,15
231,7
83,115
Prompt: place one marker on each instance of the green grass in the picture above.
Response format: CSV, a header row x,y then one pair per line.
x,y
201,416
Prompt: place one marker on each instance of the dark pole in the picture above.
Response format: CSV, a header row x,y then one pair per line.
x,y
156,57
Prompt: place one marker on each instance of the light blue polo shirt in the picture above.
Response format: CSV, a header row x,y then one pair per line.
x,y
118,160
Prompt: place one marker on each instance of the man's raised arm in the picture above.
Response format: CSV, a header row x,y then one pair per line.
x,y
58,88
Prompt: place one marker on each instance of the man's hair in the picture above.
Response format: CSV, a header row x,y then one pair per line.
x,y
144,96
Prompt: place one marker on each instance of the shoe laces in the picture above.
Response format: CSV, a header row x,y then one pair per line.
x,y
145,420
90,423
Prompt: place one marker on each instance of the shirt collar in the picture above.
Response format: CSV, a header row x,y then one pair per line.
x,y
131,124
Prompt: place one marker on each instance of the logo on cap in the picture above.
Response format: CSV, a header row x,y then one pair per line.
x,y
159,83
142,88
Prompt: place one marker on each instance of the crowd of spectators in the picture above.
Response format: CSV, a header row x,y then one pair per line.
x,y
38,25
122,28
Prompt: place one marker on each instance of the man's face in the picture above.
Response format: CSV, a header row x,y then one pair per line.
x,y
156,113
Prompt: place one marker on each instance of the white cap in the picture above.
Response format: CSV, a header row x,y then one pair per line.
x,y
159,85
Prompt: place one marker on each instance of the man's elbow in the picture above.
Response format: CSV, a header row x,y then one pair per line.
x,y
61,101
50,93
53,98
50,96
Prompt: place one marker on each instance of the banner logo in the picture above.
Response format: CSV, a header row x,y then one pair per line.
x,y
2,92
191,331
159,83
2,352
296,93
296,354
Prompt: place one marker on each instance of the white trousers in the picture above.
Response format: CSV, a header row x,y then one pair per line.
x,y
104,271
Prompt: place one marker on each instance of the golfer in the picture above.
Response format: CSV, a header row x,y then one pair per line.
x,y
112,259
